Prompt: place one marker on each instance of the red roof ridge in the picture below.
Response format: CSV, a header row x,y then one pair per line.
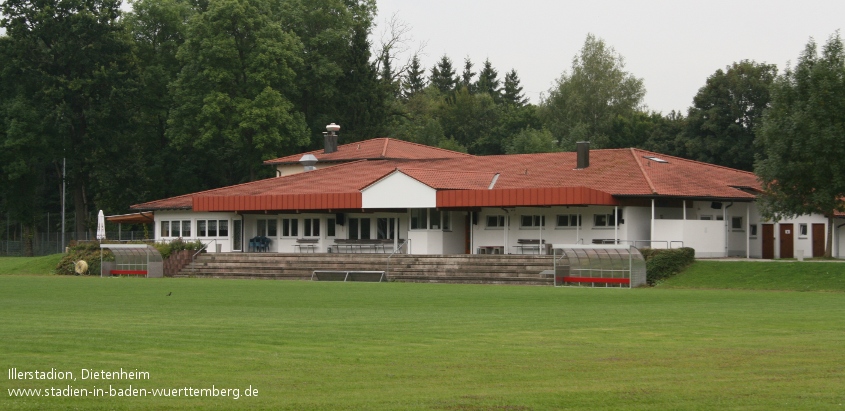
x,y
642,170
692,161
428,147
438,170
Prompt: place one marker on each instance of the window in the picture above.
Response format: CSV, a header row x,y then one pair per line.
x,y
802,230
186,228
753,229
385,228
267,228
529,221
290,227
705,217
569,220
604,220
312,227
720,218
359,228
495,221
434,219
165,228
209,228
175,229
736,223
330,227
419,218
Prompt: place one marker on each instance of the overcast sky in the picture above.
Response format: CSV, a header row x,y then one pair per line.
x,y
672,45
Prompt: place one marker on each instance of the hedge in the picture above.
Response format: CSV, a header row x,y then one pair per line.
x,y
663,263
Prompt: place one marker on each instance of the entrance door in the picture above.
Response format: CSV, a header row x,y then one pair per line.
x,y
768,241
467,227
818,240
237,235
786,245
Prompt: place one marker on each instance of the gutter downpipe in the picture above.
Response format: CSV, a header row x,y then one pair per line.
x,y
725,218
615,224
651,236
748,231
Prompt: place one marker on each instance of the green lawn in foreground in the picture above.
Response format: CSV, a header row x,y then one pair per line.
x,y
761,275
393,346
29,265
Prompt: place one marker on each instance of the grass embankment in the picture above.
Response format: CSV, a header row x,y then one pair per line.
x,y
758,275
392,346
29,265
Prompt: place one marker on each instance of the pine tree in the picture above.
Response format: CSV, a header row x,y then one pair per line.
x,y
488,81
467,75
415,79
443,76
512,92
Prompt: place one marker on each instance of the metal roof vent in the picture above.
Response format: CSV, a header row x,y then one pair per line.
x,y
330,138
308,162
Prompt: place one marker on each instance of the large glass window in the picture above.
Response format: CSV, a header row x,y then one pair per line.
x,y
212,228
419,218
330,227
531,221
223,228
359,228
568,220
186,228
312,227
201,224
265,228
604,220
165,228
495,221
290,227
434,219
385,228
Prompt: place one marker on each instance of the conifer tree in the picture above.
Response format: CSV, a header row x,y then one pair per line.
x,y
512,92
443,75
415,79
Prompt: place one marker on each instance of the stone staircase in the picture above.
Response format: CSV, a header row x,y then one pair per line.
x,y
459,269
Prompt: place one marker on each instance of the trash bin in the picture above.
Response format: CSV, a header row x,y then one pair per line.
x,y
219,248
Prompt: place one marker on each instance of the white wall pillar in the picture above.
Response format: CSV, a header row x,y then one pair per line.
x,y
651,234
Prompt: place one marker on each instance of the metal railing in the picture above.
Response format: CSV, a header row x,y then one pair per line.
x,y
399,248
203,248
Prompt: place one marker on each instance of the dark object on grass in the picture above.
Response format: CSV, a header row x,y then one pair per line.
x,y
168,294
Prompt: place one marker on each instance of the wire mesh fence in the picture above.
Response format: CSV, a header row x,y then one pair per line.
x,y
51,243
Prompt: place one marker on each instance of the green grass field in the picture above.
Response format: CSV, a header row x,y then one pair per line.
x,y
29,265
757,275
392,346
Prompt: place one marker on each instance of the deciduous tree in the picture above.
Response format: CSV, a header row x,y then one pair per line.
x,y
802,168
585,101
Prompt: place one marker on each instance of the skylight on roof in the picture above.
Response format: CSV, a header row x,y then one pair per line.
x,y
655,159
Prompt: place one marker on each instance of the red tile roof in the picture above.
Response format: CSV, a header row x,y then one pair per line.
x,y
618,172
377,148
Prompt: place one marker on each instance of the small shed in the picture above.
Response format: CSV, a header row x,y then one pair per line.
x,y
132,259
598,265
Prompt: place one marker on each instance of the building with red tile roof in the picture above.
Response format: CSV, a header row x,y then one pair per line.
x,y
449,202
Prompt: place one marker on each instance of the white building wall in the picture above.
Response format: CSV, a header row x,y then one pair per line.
x,y
398,191
638,222
185,215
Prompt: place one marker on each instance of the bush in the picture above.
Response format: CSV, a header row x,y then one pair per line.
x,y
86,251
662,263
166,249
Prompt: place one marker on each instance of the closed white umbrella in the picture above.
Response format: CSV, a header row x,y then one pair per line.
x,y
101,226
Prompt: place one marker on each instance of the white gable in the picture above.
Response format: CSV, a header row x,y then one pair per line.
x,y
397,190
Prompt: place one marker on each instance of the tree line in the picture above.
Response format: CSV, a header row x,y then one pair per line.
x,y
177,96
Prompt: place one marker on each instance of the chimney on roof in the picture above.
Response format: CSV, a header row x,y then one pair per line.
x,y
583,150
331,138
308,162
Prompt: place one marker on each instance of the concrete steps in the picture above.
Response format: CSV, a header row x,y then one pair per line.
x,y
463,269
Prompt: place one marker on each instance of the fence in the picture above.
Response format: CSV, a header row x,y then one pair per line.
x,y
51,243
